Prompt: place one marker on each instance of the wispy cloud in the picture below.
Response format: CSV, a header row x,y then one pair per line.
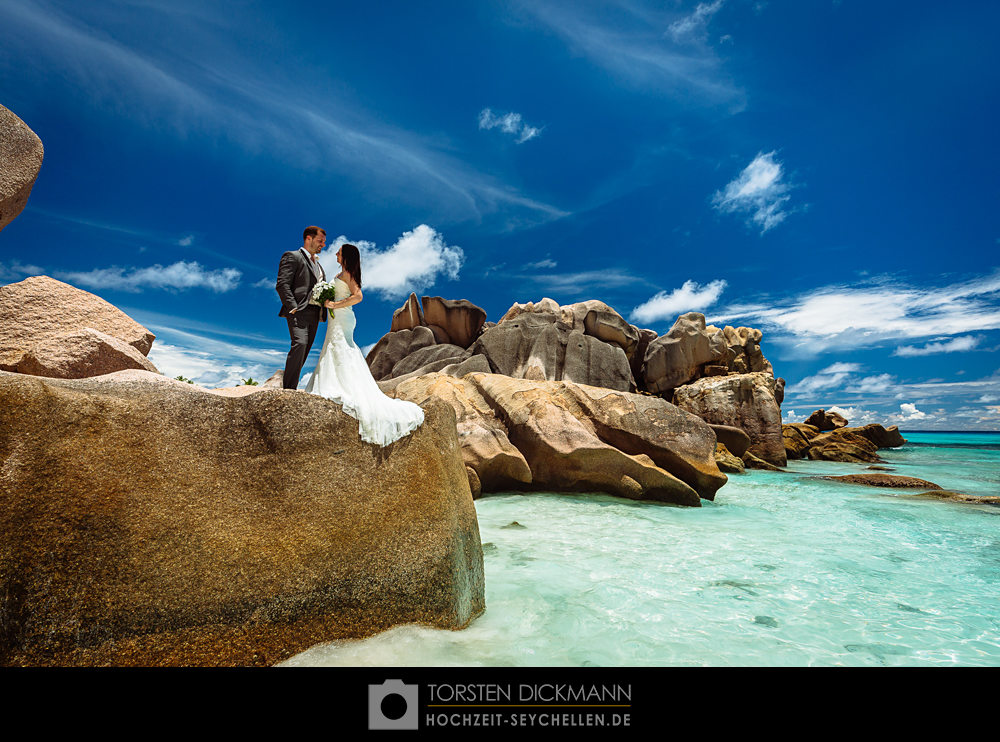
x,y
693,26
186,241
957,345
690,297
238,100
880,311
584,281
758,192
509,123
16,271
832,377
631,43
178,277
414,262
546,263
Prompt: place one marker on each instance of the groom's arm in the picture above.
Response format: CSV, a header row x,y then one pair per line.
x,y
286,275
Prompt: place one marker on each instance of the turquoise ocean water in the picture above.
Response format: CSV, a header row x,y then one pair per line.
x,y
782,569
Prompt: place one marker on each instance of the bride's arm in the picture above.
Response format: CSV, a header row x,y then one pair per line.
x,y
355,297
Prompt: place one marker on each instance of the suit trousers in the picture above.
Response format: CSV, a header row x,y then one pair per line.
x,y
302,329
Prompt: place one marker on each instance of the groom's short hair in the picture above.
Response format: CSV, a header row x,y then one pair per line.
x,y
312,232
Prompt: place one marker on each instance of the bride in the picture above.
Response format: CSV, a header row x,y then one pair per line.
x,y
342,374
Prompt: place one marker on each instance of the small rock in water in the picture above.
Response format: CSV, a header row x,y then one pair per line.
x,y
738,584
513,524
880,468
766,621
908,608
766,567
489,547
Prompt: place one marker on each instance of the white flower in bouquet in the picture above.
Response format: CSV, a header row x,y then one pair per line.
x,y
322,292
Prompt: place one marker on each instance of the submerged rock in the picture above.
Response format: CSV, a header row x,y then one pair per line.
x,y
149,522
885,480
961,497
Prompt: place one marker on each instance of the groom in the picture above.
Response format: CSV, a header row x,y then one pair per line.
x,y
298,272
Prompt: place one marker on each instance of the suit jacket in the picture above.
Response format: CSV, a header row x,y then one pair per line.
x,y
297,275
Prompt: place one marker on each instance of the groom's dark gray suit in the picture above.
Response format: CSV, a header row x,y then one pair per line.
x,y
297,274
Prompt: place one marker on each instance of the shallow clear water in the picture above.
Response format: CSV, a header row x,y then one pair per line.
x,y
782,569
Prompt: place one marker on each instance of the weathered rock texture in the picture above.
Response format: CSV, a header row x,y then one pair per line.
x,y
823,420
886,480
459,318
77,354
678,357
147,522
394,347
38,309
21,155
745,401
541,346
803,440
550,435
407,316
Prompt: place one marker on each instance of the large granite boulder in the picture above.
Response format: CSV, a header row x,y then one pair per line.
x,y
838,445
429,354
797,438
744,401
743,354
394,347
609,326
678,357
539,346
447,366
575,437
21,156
228,531
734,439
825,421
882,437
460,319
77,354
39,308
486,447
407,316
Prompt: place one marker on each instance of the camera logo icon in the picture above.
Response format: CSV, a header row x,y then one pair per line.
x,y
393,705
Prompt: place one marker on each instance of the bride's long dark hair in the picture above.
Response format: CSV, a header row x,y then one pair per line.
x,y
352,261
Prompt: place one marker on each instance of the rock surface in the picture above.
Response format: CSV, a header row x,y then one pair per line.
x,y
824,421
220,535
678,357
394,347
744,401
841,445
407,316
40,307
429,354
539,346
77,354
885,480
952,496
575,437
21,154
459,318
728,462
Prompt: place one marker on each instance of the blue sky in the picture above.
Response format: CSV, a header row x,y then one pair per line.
x,y
824,170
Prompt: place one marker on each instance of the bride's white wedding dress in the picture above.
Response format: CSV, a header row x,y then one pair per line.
x,y
342,375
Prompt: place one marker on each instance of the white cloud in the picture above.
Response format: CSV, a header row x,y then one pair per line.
x,y
880,384
178,276
546,263
415,262
955,345
909,411
831,377
693,26
267,283
987,398
690,297
17,271
509,123
882,310
757,191
590,283
186,241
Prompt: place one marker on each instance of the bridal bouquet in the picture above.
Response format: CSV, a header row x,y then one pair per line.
x,y
321,293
